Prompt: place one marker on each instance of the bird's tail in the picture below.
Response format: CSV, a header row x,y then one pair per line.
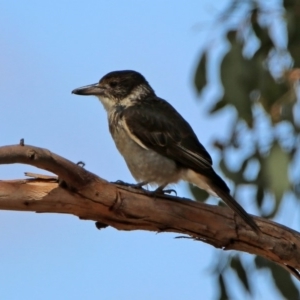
x,y
215,185
236,207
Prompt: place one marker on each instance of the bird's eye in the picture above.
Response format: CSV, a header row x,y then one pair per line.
x,y
113,84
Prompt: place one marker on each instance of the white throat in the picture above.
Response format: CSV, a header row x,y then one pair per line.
x,y
107,103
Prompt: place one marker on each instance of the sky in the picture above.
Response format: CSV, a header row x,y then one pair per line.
x,y
48,48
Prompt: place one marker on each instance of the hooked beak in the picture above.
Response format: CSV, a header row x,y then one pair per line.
x,y
92,89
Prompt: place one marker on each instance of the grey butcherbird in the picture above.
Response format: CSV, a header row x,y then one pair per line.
x,y
158,145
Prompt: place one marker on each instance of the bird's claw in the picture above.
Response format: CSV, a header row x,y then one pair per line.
x,y
159,191
163,192
132,185
81,164
169,191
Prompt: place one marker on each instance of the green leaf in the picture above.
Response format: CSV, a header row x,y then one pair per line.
x,y
281,277
261,262
271,93
293,26
273,175
235,176
260,195
218,106
284,283
223,290
275,170
200,75
238,76
262,33
198,194
240,271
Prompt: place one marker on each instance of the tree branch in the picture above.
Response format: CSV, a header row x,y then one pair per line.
x,y
89,197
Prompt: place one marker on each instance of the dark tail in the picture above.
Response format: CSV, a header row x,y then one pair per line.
x,y
217,186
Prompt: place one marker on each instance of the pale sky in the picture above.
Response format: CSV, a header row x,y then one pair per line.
x,y
48,48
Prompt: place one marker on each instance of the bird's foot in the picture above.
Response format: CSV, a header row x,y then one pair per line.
x,y
160,191
132,185
139,186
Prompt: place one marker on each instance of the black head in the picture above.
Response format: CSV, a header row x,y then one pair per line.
x,y
116,86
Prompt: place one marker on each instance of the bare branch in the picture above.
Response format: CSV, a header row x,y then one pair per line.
x,y
93,198
69,172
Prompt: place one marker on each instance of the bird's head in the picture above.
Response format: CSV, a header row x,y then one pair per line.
x,y
117,88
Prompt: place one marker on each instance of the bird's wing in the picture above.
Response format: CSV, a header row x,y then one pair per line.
x,y
156,125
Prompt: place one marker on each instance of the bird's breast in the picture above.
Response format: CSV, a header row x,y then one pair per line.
x,y
144,164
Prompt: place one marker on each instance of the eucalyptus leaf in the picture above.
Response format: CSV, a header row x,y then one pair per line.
x,y
262,33
235,176
198,194
282,278
218,106
248,83
238,79
237,266
275,170
293,26
200,80
260,195
223,290
271,93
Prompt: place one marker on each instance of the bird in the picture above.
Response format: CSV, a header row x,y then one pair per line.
x,y
158,144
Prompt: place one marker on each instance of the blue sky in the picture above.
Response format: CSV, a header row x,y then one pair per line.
x,y
47,49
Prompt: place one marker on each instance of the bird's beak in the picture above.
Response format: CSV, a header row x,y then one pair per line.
x,y
92,89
